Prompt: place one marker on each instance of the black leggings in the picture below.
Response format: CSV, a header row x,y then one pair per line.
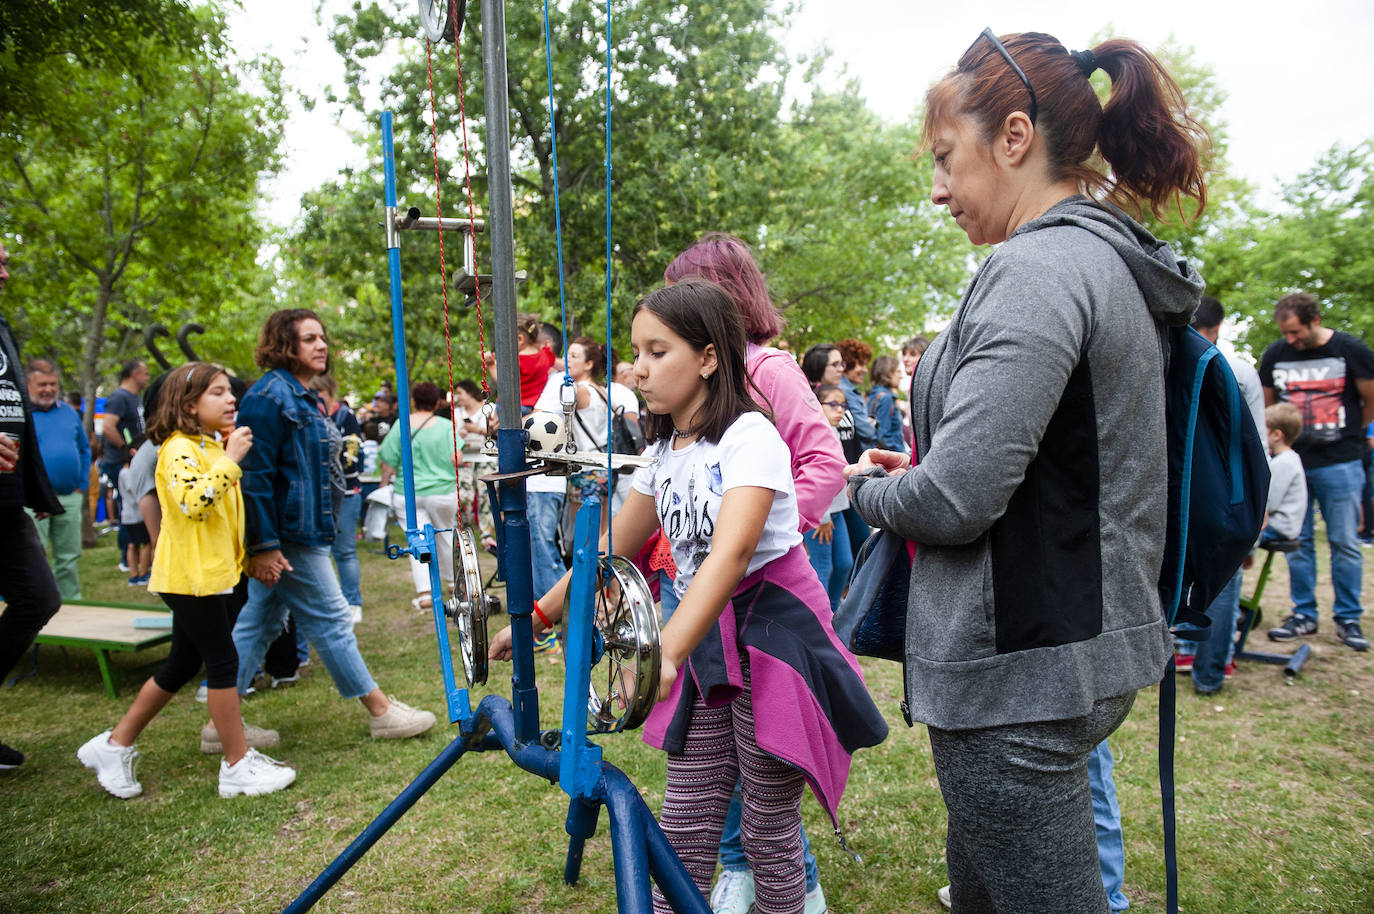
x,y
202,630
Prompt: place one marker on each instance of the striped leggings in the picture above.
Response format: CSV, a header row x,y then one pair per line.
x,y
720,749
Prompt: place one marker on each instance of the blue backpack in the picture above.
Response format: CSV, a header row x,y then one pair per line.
x,y
1218,490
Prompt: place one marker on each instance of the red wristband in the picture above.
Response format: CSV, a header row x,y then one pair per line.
x,y
542,617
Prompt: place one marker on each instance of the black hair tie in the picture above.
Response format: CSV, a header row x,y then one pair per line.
x,y
1085,60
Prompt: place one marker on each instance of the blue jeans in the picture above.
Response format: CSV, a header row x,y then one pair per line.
x,y
832,561
732,848
1111,851
345,549
1212,654
542,510
667,601
856,528
1336,489
310,592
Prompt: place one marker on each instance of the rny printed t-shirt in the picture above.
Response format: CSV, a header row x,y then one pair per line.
x,y
688,485
1320,382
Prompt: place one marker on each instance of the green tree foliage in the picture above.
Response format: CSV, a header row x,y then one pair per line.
x,y
828,194
107,35
1320,241
135,203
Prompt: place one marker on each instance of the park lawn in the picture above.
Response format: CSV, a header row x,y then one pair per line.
x,y
1275,792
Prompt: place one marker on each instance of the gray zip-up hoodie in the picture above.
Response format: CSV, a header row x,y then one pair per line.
x,y
1039,499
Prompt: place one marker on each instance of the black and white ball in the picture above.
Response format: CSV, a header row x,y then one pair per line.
x,y
545,431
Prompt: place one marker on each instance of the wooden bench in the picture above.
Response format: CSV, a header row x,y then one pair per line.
x,y
104,627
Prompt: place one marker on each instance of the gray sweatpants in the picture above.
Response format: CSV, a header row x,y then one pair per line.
x,y
1021,836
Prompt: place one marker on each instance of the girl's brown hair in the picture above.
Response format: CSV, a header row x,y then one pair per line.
x,y
277,340
181,389
703,314
1155,148
595,353
884,371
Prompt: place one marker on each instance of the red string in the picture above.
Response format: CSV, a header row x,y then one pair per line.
x,y
443,271
472,213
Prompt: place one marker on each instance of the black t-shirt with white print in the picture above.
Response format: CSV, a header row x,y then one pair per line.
x,y
12,421
1320,382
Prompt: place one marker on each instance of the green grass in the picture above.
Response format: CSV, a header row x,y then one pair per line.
x,y
1275,796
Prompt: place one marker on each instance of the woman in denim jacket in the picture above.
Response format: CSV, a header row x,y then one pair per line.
x,y
882,404
292,491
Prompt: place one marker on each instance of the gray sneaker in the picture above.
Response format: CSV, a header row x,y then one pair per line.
x,y
115,767
1293,627
255,737
734,892
1351,636
400,721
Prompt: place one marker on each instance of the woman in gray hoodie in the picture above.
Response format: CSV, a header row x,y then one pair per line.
x,y
1037,494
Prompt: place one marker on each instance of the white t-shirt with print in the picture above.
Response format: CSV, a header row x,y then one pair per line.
x,y
687,487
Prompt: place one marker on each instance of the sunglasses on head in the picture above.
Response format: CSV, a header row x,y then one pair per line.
x,y
1002,49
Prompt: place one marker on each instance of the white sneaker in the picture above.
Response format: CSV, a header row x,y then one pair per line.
x,y
815,901
203,693
255,737
356,612
254,774
400,721
943,895
734,893
114,766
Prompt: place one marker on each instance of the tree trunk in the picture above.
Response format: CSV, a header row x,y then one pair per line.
x,y
95,340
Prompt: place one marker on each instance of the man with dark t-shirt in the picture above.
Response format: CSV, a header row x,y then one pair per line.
x,y
31,595
1329,377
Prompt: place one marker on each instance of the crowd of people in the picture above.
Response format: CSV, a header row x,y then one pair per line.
x,y
1021,451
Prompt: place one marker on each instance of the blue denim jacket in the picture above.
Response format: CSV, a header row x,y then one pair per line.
x,y
286,473
882,406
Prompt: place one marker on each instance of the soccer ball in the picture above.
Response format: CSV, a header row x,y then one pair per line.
x,y
544,433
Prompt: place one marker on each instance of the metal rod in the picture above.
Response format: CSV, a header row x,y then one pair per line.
x,y
398,333
433,224
510,438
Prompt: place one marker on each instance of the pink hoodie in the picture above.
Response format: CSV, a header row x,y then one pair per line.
x,y
817,461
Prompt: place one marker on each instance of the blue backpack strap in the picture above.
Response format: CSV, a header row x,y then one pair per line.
x,y
1167,706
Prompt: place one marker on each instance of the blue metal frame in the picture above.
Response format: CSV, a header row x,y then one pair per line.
x,y
419,542
641,853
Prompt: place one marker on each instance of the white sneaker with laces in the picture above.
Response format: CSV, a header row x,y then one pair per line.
x,y
400,721
815,901
115,767
255,774
734,893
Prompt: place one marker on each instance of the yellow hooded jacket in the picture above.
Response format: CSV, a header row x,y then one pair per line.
x,y
201,548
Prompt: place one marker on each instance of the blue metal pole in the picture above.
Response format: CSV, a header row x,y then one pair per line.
x,y
398,328
419,543
581,764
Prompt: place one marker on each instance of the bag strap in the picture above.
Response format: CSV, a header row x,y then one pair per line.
x,y
422,427
1167,703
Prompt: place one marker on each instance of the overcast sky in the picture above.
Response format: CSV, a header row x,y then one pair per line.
x,y
1298,77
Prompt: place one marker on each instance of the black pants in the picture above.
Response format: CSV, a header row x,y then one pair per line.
x,y
26,583
202,631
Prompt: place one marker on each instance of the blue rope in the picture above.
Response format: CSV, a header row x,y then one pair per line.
x,y
610,412
557,211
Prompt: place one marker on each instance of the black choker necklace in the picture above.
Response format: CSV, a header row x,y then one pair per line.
x,y
681,434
